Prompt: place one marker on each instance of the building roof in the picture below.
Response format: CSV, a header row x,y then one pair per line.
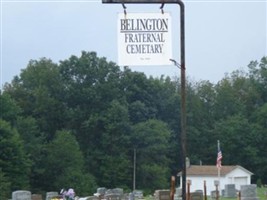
x,y
211,170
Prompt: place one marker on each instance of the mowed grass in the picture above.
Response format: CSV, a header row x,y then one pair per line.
x,y
262,193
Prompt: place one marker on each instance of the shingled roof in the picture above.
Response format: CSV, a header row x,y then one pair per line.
x,y
210,170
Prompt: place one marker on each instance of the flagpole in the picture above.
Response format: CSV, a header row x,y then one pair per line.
x,y
219,177
219,167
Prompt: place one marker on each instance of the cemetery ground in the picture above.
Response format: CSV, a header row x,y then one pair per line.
x,y
261,194
249,191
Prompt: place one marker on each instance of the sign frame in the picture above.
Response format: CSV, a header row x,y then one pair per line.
x,y
144,39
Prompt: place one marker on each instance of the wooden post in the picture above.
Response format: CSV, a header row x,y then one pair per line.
x,y
172,187
217,193
205,191
188,190
217,183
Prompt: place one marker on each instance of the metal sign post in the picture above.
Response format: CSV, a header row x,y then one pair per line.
x,y
182,68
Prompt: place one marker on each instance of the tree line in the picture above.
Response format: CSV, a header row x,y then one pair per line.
x,y
77,123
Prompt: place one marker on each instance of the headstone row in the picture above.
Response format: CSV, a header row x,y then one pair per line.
x,y
27,195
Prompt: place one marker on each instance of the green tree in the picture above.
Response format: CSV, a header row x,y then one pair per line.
x,y
13,160
108,146
34,143
137,89
38,92
64,165
227,102
91,86
90,83
108,113
166,96
4,186
200,121
260,126
9,108
258,77
151,139
238,141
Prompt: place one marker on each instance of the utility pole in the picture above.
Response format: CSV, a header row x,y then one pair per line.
x,y
134,169
182,68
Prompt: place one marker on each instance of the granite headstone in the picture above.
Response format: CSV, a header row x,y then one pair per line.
x,y
21,195
248,192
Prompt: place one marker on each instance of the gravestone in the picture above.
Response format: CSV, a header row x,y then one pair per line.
x,y
248,192
37,197
196,196
101,190
21,195
50,195
213,194
83,198
126,196
131,196
223,192
178,194
162,195
113,197
229,191
93,198
118,191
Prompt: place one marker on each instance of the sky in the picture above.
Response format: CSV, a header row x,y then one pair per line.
x,y
220,35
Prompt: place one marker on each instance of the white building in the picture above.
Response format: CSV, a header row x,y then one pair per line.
x,y
228,175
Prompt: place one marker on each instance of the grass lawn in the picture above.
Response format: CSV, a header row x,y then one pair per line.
x,y
262,193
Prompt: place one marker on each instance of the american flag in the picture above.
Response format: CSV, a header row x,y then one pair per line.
x,y
219,157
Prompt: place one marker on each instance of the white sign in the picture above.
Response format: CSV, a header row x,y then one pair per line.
x,y
144,39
